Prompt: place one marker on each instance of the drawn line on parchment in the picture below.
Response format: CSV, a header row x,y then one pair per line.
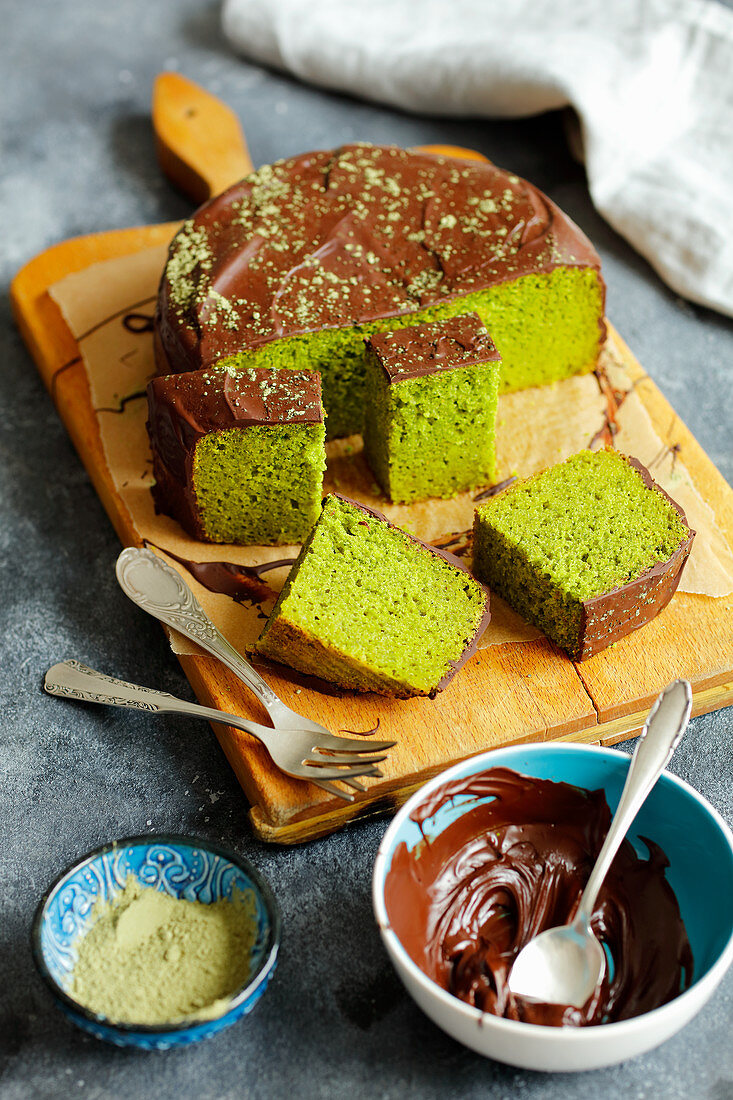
x,y
120,313
61,369
124,401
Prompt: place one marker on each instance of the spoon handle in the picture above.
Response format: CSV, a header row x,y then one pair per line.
x,y
661,735
161,591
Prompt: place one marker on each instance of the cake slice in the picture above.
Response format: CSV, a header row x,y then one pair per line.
x,y
587,550
372,608
430,416
238,456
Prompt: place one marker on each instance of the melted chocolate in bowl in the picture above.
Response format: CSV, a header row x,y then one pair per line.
x,y
464,903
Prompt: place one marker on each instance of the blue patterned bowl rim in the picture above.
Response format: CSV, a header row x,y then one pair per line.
x,y
242,994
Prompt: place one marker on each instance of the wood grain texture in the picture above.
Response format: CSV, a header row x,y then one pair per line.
x,y
200,144
454,151
510,693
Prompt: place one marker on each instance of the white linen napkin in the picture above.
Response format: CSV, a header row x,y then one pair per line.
x,y
651,81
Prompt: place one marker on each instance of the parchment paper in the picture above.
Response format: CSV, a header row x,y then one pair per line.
x,y
109,308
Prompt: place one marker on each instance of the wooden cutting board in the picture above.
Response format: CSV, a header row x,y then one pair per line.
x,y
507,693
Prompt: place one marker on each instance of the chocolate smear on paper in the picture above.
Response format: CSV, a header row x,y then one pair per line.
x,y
241,582
494,490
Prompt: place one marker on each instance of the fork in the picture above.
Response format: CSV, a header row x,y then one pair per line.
x,y
299,754
161,591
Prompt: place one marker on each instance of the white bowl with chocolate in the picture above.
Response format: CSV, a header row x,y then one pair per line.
x,y
498,847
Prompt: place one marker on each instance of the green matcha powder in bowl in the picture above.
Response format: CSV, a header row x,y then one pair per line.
x,y
156,942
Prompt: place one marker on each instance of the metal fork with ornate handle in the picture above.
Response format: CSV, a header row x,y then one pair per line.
x,y
298,754
161,591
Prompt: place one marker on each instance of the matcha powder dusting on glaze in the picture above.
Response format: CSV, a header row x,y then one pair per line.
x,y
149,958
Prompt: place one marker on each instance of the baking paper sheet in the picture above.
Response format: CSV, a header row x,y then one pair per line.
x,y
109,308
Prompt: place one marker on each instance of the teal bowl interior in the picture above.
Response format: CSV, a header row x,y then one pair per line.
x,y
182,867
694,838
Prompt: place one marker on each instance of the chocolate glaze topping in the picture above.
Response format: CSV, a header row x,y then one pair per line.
x,y
182,408
425,349
465,902
335,238
217,399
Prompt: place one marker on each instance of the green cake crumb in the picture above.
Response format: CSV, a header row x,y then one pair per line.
x,y
432,435
545,327
260,485
575,531
370,608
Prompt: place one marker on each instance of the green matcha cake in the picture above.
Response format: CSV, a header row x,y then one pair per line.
x,y
431,394
238,456
372,608
296,264
587,550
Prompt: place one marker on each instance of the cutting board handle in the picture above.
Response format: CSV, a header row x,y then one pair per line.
x,y
458,151
201,146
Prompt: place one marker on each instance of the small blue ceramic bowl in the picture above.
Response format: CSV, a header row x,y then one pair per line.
x,y
183,867
699,846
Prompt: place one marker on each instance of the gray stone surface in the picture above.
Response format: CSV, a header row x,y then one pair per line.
x,y
78,156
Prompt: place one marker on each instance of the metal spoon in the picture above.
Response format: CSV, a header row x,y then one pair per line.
x,y
564,965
